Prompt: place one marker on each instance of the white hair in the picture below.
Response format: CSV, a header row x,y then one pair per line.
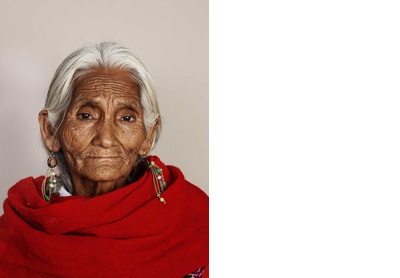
x,y
109,55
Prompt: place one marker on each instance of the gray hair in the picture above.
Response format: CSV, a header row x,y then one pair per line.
x,y
93,56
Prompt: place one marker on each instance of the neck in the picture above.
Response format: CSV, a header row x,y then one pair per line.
x,y
89,188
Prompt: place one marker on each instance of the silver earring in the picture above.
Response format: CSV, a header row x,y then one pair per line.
x,y
49,184
158,178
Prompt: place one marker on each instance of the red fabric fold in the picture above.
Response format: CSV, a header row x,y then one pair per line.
x,y
124,233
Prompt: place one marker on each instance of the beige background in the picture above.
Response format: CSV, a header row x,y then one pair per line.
x,y
171,38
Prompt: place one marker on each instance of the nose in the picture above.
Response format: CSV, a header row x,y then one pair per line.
x,y
105,134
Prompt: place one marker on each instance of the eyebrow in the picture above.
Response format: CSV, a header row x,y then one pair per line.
x,y
90,103
136,106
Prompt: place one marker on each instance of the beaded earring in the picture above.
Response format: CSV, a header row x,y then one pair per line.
x,y
158,179
51,179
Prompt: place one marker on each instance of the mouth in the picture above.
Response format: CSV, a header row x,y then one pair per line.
x,y
104,157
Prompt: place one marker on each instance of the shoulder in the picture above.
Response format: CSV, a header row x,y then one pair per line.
x,y
197,192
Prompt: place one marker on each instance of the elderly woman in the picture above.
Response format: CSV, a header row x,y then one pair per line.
x,y
105,208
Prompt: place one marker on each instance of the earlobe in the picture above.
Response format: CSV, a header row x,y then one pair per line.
x,y
47,131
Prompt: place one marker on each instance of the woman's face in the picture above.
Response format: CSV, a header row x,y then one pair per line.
x,y
103,131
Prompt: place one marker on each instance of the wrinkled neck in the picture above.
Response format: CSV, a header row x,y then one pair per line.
x,y
89,188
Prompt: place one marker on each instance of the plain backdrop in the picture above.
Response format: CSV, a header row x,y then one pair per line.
x,y
170,37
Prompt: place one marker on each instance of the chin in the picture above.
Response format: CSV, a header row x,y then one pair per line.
x,y
107,173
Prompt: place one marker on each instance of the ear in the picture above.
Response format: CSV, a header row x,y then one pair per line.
x,y
146,146
47,130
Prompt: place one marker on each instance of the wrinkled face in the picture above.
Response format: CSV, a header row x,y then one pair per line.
x,y
103,131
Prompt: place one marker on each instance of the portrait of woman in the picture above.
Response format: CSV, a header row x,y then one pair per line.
x,y
112,210
108,204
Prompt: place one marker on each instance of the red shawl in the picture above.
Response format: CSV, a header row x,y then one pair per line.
x,y
124,233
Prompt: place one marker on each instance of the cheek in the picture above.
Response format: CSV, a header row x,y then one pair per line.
x,y
74,139
133,139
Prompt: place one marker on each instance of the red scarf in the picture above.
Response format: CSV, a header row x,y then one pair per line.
x,y
124,233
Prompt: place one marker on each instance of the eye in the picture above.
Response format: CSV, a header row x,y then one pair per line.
x,y
128,118
84,116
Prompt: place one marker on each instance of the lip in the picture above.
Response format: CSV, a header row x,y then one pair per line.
x,y
104,157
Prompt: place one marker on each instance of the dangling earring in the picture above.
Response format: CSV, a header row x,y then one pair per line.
x,y
51,179
158,178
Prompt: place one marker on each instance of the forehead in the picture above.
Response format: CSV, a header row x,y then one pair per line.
x,y
106,83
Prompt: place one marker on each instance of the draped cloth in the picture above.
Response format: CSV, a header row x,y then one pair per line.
x,y
124,233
